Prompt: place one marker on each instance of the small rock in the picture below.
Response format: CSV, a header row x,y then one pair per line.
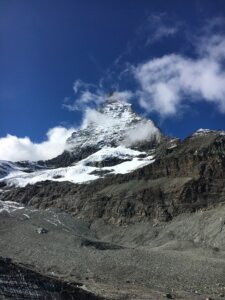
x,y
196,292
168,296
216,249
7,259
41,230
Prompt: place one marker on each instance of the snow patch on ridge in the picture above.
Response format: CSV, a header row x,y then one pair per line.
x,y
129,166
108,152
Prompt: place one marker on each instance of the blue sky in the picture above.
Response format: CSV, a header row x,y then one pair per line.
x,y
59,57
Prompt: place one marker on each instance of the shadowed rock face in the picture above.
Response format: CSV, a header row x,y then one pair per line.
x,y
18,282
68,157
184,178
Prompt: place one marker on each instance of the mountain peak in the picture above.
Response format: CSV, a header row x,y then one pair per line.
x,y
113,139
114,124
116,103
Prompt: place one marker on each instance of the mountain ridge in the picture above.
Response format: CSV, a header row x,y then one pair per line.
x,y
96,173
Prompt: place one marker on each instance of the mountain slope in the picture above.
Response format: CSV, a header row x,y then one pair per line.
x,y
113,140
114,124
112,179
183,177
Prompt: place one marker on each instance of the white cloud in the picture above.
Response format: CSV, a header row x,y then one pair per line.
x,y
103,120
122,96
169,82
213,47
160,26
85,99
14,148
89,96
94,116
85,95
146,130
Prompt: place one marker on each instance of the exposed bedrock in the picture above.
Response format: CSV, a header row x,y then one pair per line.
x,y
185,178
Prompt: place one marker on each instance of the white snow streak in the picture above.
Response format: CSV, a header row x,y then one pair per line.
x,y
81,172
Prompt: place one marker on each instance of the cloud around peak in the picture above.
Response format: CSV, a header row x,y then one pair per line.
x,y
85,94
88,96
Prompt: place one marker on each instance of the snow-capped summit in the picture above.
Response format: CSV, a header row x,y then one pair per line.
x,y
112,140
113,124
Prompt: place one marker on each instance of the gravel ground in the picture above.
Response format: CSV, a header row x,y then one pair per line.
x,y
184,258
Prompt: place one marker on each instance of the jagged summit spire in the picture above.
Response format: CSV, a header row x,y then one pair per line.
x,y
114,124
115,102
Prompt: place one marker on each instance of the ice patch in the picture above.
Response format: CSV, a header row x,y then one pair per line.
x,y
129,166
81,172
108,152
9,206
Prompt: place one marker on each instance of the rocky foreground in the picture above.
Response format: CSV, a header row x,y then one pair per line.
x,y
19,282
184,258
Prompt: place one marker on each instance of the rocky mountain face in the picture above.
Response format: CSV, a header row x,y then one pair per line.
x,y
184,177
129,171
114,124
